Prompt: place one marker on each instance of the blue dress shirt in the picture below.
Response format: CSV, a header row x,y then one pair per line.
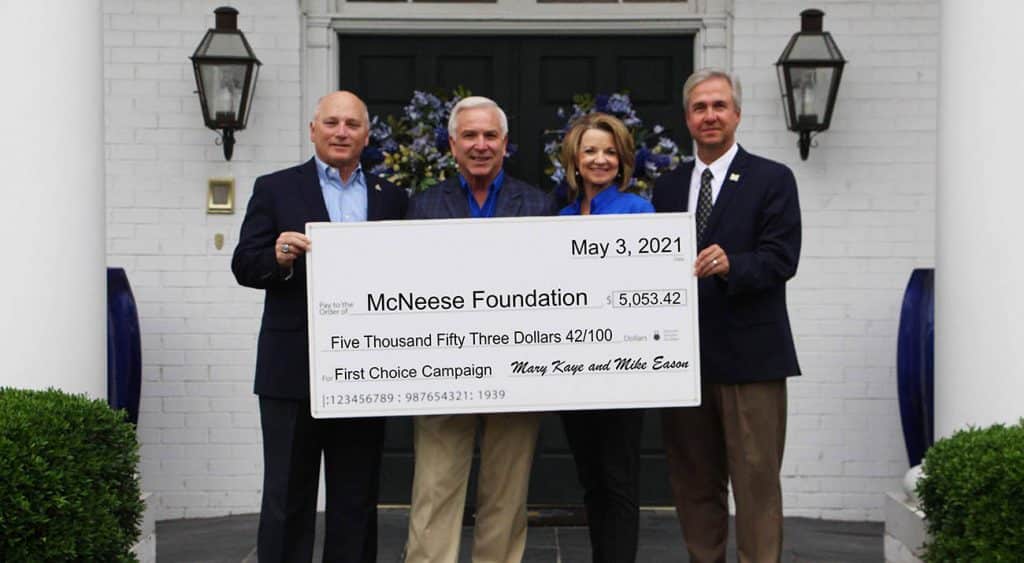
x,y
346,201
610,201
490,204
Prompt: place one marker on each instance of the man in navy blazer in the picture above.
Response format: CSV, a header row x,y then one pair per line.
x,y
748,225
271,256
478,137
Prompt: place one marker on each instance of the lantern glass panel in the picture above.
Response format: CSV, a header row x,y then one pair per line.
x,y
810,47
251,90
223,45
786,98
224,85
810,88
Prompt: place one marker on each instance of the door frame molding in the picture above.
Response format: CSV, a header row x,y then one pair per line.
x,y
322,20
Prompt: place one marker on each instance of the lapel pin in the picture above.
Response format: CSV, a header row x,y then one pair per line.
x,y
734,177
376,187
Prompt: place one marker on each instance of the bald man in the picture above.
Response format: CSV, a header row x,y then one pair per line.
x,y
270,256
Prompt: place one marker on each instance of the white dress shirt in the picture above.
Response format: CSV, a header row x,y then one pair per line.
x,y
719,169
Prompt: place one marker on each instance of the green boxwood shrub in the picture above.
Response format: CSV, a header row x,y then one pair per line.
x,y
972,494
68,484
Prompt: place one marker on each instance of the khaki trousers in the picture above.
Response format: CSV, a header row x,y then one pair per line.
x,y
444,453
737,434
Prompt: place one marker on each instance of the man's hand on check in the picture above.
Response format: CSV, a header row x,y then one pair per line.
x,y
289,246
711,261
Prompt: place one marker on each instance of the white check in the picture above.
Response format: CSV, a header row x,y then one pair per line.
x,y
497,315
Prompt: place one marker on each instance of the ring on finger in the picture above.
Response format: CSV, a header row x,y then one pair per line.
x,y
285,248
714,261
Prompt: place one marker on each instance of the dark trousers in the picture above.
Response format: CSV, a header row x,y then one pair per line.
x,y
293,442
737,434
606,447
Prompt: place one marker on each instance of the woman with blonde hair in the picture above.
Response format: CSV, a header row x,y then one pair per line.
x,y
598,156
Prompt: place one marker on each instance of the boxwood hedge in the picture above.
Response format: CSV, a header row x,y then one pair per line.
x,y
68,484
972,494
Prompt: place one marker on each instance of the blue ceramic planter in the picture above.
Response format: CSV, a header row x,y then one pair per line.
x,y
915,363
124,345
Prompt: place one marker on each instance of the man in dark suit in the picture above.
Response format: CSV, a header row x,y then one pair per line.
x,y
748,236
478,137
331,186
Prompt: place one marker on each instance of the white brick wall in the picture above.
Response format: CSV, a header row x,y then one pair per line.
x,y
199,426
867,191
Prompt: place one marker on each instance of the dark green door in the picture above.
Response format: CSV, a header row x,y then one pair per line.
x,y
530,77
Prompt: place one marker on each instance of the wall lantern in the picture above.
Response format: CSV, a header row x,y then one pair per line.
x,y
809,71
226,70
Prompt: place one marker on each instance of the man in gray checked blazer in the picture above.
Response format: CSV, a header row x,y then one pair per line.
x,y
478,136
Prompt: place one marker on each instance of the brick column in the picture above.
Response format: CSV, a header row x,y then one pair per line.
x,y
53,295
979,266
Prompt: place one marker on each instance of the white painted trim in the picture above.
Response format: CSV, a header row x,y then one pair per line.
x,y
514,8
447,26
481,13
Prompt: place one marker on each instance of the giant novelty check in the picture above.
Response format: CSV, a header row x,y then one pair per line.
x,y
495,315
